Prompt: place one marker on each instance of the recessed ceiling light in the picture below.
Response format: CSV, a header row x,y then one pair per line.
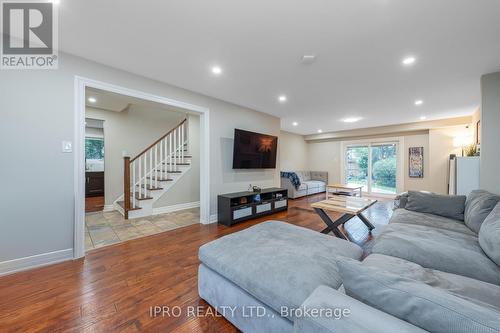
x,y
320,131
409,61
308,59
423,117
351,119
282,98
419,102
92,99
216,70
295,123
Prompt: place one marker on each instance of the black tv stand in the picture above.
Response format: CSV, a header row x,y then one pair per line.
x,y
242,206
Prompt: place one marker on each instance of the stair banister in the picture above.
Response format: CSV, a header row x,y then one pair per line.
x,y
162,158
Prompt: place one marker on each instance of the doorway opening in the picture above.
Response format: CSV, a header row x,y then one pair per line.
x,y
94,165
116,125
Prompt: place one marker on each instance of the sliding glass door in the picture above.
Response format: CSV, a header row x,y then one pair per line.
x,y
383,168
357,166
373,166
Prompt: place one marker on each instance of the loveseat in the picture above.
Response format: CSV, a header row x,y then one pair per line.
x,y
434,268
302,183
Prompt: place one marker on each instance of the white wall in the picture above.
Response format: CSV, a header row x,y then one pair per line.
x,y
92,132
325,156
130,131
490,132
440,148
187,189
37,109
292,152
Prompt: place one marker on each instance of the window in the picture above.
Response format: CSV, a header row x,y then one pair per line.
x,y
94,154
94,149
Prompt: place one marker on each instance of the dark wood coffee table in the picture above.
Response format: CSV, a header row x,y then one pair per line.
x,y
349,207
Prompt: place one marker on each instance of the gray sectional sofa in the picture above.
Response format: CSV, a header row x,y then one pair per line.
x,y
434,268
310,182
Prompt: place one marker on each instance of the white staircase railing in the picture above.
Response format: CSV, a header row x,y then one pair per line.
x,y
144,172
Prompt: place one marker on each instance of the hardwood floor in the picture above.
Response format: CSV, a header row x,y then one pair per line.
x,y
94,204
113,288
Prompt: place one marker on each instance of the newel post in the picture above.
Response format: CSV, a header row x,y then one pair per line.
x,y
126,185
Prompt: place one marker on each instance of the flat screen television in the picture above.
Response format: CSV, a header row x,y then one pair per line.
x,y
254,150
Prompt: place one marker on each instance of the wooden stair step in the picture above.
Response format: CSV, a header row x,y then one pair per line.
x,y
151,188
179,163
160,179
122,204
137,197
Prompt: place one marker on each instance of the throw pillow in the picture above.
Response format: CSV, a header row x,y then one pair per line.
x,y
489,235
452,206
478,206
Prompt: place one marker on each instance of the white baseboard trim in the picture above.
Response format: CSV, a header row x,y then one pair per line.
x,y
108,208
213,218
39,260
174,208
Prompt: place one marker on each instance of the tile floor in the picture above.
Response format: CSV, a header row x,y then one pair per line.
x,y
106,228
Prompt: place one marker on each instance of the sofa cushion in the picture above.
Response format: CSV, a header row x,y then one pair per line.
x,y
302,187
401,200
303,175
440,249
314,184
479,204
278,263
451,206
430,220
476,291
489,235
433,309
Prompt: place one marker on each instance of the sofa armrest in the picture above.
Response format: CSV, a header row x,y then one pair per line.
x,y
401,200
349,316
286,183
320,175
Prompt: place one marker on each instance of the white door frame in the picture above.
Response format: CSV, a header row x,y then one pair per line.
x,y
400,153
79,148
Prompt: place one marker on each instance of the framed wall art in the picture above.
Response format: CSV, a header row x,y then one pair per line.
x,y
416,162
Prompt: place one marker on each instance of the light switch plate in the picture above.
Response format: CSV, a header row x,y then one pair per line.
x,y
67,146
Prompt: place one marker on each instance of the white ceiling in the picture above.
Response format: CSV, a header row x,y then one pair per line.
x,y
110,101
107,100
259,43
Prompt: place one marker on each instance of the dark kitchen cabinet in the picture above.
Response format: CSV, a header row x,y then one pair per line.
x,y
94,183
